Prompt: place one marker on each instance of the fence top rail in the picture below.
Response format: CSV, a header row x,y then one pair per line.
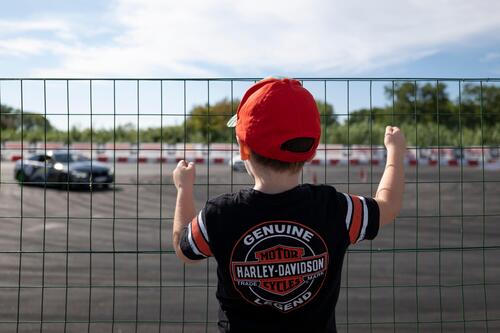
x,y
473,79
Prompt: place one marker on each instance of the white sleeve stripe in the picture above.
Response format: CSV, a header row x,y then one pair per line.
x,y
203,229
192,244
349,211
365,220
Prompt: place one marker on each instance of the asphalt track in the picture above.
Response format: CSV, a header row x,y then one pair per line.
x,y
108,260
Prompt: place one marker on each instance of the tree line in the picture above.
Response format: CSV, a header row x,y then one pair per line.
x,y
425,112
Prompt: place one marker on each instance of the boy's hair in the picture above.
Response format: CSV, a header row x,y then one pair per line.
x,y
298,145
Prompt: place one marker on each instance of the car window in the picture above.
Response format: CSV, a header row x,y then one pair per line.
x,y
39,158
68,158
63,158
80,158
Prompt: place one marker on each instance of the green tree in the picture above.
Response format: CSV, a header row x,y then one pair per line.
x,y
326,113
423,103
14,118
480,105
209,123
7,117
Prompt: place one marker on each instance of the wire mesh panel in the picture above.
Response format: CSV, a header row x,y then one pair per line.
x,y
87,201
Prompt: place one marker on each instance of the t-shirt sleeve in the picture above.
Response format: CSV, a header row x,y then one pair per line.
x,y
195,243
361,216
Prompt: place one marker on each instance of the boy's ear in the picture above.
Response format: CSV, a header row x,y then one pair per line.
x,y
244,151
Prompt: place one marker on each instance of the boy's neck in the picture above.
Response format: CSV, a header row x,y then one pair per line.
x,y
274,182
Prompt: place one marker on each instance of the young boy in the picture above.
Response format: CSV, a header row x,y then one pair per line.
x,y
280,245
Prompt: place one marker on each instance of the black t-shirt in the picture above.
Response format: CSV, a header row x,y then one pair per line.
x,y
279,256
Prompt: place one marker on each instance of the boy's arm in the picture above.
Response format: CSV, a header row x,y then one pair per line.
x,y
184,176
391,187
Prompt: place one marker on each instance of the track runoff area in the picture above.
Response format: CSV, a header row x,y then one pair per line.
x,y
102,261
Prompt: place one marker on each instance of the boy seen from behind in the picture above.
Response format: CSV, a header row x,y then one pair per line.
x,y
280,245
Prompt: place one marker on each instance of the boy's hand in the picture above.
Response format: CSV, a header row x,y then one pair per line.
x,y
394,139
390,190
184,175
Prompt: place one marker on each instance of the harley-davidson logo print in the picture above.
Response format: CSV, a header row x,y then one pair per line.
x,y
281,264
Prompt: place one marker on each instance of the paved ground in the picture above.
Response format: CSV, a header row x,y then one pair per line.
x,y
114,237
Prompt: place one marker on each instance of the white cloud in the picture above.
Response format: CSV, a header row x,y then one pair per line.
x,y
19,26
490,56
25,47
23,38
213,38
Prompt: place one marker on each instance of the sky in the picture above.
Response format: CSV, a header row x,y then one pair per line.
x,y
223,38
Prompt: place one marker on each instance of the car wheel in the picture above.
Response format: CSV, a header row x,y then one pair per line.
x,y
63,180
20,176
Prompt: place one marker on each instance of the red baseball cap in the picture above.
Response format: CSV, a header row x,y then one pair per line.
x,y
273,112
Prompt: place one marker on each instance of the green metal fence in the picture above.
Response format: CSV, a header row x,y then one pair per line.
x,y
97,257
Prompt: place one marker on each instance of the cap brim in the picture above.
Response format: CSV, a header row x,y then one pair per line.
x,y
232,122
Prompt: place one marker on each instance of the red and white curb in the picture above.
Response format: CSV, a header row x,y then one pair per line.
x,y
316,161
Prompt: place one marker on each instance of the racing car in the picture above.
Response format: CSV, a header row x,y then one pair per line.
x,y
62,169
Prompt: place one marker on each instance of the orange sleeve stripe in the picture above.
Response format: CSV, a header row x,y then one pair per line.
x,y
356,219
198,238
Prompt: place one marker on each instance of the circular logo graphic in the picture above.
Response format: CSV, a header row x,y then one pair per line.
x,y
281,264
